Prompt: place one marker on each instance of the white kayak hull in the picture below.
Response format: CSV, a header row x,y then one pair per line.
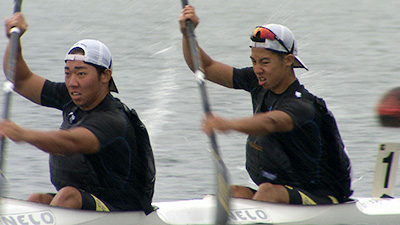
x,y
202,211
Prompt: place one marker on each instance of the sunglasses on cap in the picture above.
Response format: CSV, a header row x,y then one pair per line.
x,y
262,33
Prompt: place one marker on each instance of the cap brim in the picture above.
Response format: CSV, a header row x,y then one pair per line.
x,y
299,64
113,87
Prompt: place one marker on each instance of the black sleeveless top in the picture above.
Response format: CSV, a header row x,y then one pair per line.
x,y
118,173
312,156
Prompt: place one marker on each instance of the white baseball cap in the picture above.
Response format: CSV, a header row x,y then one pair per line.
x,y
277,38
95,52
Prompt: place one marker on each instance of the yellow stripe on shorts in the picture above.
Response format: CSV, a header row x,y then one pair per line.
x,y
334,200
306,200
100,206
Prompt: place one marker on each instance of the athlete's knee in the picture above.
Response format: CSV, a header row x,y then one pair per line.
x,y
40,197
272,193
241,192
68,192
69,197
266,187
234,189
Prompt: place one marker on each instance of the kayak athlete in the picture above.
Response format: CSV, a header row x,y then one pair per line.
x,y
294,151
100,158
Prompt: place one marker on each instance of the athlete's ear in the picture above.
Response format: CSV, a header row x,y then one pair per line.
x,y
106,75
289,60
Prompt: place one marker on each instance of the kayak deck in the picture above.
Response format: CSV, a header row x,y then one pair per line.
x,y
202,211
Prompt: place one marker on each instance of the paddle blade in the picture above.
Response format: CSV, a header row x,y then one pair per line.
x,y
223,194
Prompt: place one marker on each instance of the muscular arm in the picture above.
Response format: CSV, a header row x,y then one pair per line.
x,y
26,83
216,72
73,141
259,124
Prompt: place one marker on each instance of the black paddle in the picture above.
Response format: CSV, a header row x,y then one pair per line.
x,y
223,194
15,34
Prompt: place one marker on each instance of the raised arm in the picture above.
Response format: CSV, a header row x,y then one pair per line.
x,y
26,82
215,71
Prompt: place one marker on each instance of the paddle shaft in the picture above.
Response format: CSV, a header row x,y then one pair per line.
x,y
222,176
8,85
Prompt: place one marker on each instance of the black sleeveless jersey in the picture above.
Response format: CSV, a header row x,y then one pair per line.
x,y
119,173
312,156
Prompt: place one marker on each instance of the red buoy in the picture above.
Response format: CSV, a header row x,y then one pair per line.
x,y
388,109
